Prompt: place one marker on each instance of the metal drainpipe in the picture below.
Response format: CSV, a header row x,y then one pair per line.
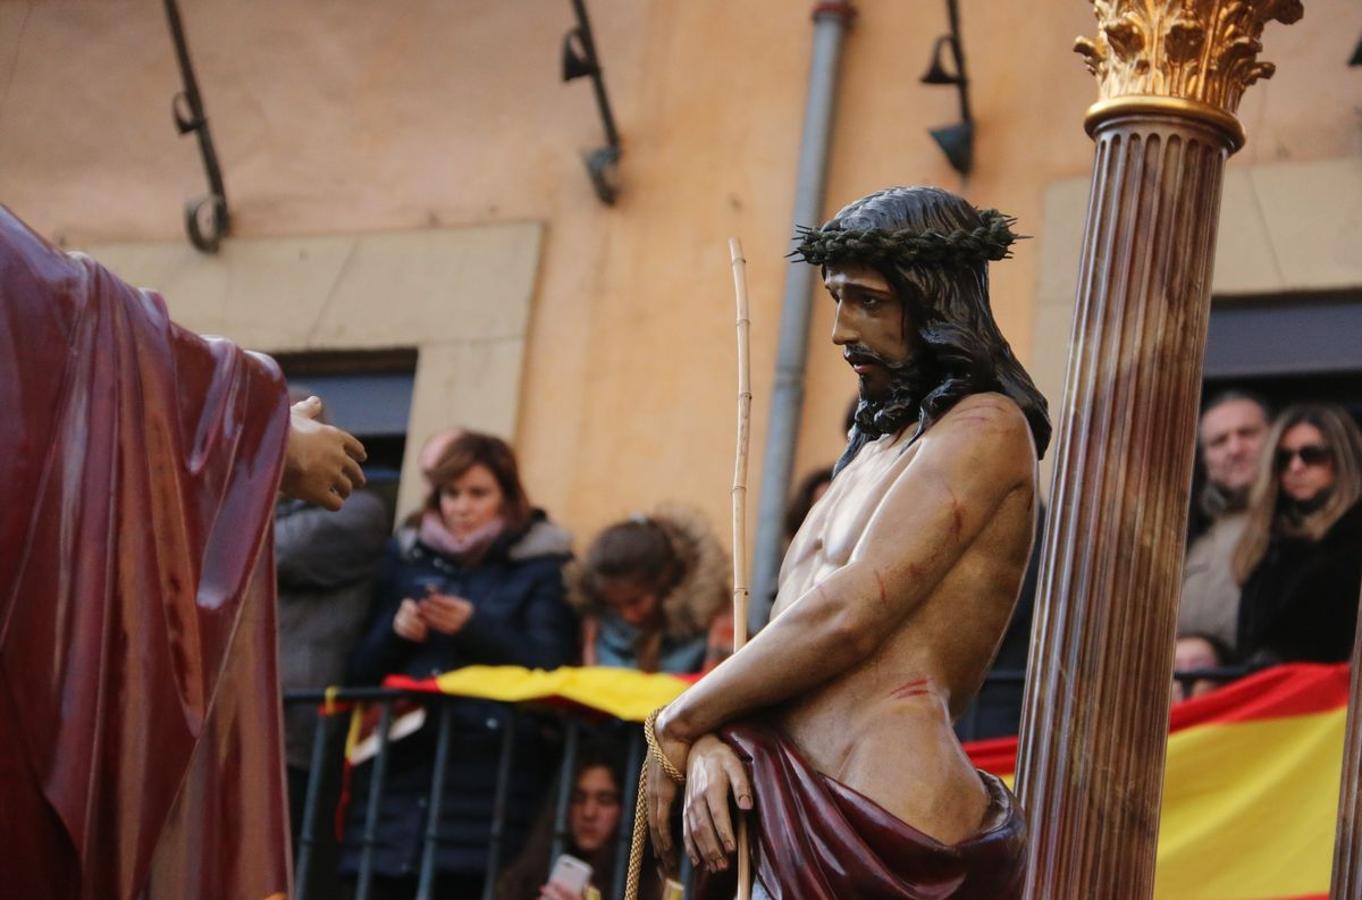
x,y
830,22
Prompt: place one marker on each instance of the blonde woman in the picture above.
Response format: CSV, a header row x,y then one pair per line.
x,y
1300,559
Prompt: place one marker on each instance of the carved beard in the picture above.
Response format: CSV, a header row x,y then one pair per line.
x,y
888,414
899,407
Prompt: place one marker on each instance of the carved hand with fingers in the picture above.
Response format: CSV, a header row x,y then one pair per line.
x,y
663,783
321,462
713,774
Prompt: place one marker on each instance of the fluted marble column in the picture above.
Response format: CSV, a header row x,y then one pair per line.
x,y
1095,723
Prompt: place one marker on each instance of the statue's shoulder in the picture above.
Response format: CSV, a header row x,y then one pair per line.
x,y
990,415
982,437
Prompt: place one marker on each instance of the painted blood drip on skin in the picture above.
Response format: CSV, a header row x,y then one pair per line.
x,y
957,516
917,687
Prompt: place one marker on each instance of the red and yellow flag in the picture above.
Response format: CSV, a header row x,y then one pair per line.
x,y
1250,790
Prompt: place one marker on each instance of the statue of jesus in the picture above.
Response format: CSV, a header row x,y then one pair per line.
x,y
834,724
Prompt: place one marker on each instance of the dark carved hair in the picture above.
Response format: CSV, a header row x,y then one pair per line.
x,y
472,449
947,306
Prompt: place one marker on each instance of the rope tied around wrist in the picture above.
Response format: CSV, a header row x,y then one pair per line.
x,y
655,748
641,805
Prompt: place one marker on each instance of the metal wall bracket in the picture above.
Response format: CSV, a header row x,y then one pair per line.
x,y
206,218
580,61
956,141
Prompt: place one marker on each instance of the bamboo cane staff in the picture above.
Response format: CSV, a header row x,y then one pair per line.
x,y
739,498
739,495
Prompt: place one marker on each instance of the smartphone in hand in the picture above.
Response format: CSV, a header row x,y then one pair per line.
x,y
571,873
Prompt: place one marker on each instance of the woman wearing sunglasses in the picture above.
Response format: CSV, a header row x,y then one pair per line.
x,y
1300,559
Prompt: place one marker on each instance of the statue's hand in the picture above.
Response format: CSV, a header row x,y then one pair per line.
x,y
321,463
713,771
662,792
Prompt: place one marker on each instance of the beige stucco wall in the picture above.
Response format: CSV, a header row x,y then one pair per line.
x,y
460,296
1284,227
337,117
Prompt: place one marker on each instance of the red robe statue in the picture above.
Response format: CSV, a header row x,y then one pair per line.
x,y
140,751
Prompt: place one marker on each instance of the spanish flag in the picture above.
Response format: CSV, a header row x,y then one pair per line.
x,y
1250,794
1250,788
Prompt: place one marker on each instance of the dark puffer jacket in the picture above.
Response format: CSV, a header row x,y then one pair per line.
x,y
1300,603
520,618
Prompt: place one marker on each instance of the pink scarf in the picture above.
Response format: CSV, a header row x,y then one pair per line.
x,y
435,535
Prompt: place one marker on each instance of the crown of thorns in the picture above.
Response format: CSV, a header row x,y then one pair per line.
x,y
907,247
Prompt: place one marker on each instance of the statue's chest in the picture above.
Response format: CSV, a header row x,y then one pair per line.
x,y
839,521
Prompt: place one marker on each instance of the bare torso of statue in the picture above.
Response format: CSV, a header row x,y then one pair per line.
x,y
833,725
883,727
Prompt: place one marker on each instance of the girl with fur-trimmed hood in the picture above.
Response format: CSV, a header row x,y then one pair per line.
x,y
654,592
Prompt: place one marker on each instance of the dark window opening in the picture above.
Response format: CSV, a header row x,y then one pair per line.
x,y
1288,349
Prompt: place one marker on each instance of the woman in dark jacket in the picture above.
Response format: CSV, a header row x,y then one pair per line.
x,y
475,579
1300,559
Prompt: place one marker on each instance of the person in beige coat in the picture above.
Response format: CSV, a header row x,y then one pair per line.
x,y
1231,438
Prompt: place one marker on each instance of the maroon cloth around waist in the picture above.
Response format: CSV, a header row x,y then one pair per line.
x,y
814,838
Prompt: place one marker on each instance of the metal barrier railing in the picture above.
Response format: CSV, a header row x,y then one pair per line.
x,y
309,836
305,857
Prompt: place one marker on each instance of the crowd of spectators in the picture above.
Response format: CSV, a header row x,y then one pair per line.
x,y
480,575
1274,558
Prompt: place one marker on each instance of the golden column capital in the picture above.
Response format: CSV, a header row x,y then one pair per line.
x,y
1188,58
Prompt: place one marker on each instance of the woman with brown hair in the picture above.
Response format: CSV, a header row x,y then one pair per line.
x,y
1300,559
475,577
654,593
